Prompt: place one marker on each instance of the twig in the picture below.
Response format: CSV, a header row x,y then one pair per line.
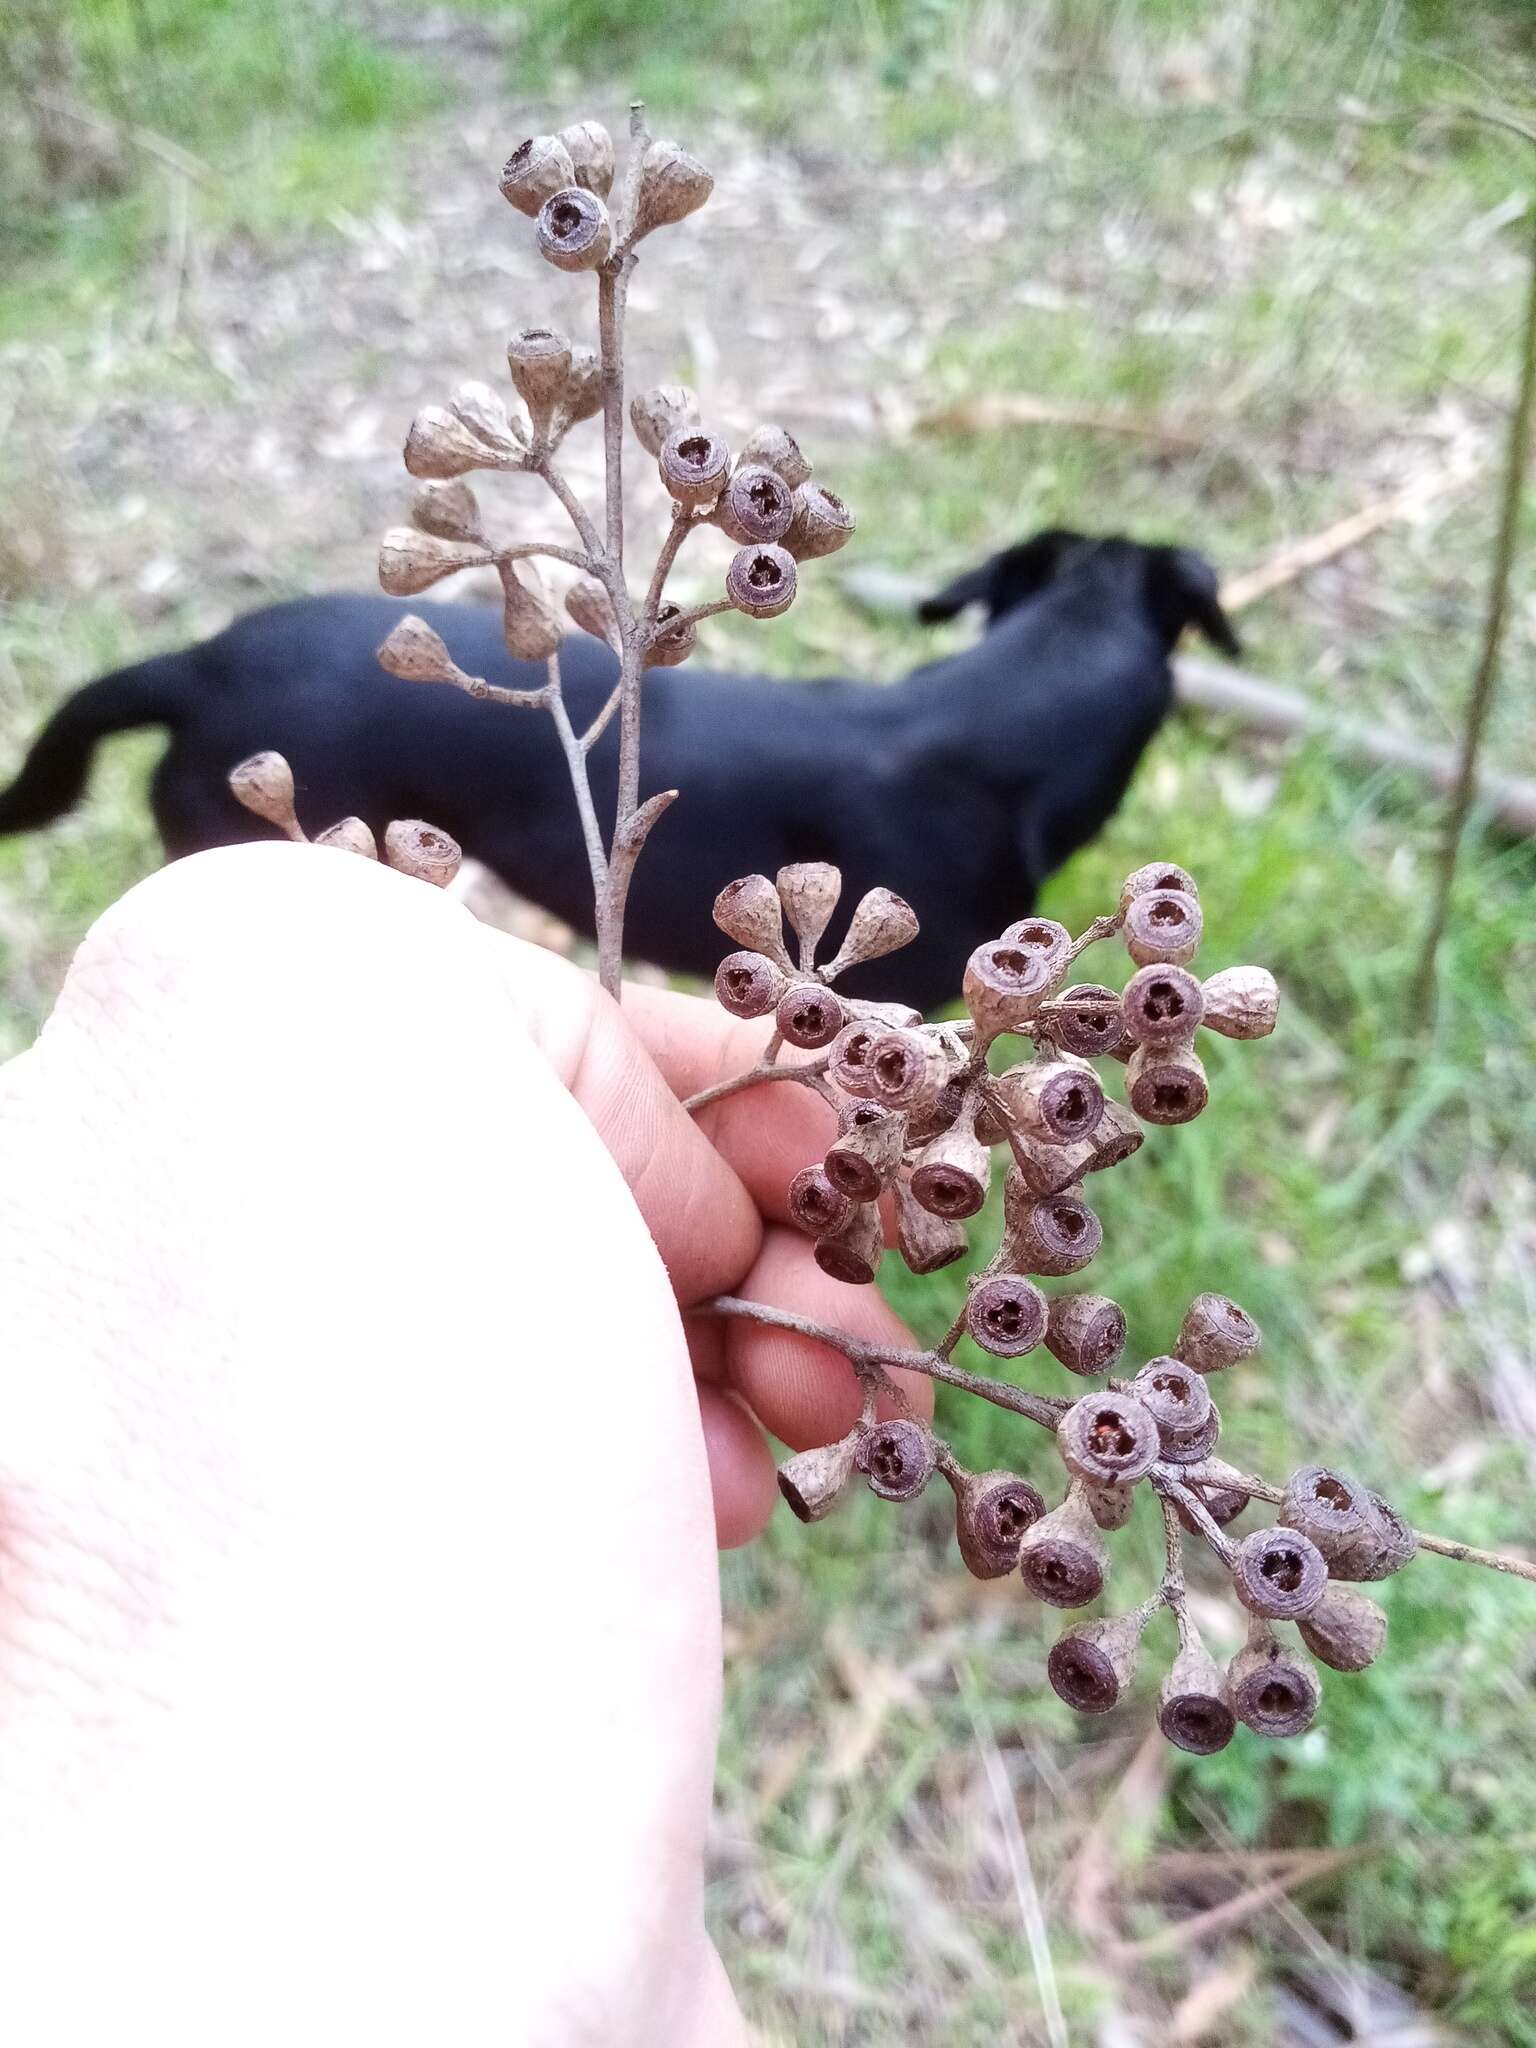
x,y
810,1075
1026,409
576,763
1516,462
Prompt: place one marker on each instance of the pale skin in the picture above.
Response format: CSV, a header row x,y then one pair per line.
x,y
360,1475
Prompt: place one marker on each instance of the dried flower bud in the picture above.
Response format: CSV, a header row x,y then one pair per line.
x,y
540,362
1242,1002
926,1242
1062,1556
1087,1020
1162,1005
1055,1102
581,395
673,184
863,1159
1085,1333
853,1253
1195,1704
1004,987
848,1065
747,911
1178,1400
411,562
1050,1234
421,850
484,412
1279,1573
1108,1439
1274,1690
1005,1315
1345,1630
1382,1548
535,171
908,1068
749,984
350,835
416,654
1216,1333
756,505
993,1511
1166,1084
761,581
574,230
264,784
590,149
809,891
591,608
951,1174
776,450
813,1482
440,445
1162,928
450,511
1110,1506
1117,1135
815,1205
530,625
1048,1169
672,640
656,415
882,923
1327,1506
1157,874
821,524
809,1015
1092,1664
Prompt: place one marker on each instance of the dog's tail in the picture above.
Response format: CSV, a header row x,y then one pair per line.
x,y
53,776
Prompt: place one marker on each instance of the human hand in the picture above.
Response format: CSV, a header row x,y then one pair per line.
x,y
359,1635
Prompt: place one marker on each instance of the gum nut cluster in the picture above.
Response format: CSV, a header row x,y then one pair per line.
x,y
264,785
921,1114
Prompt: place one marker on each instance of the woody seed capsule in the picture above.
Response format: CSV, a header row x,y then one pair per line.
x,y
809,891
761,581
1085,1333
1345,1630
581,395
1326,1506
1166,1084
1087,1020
908,1068
450,511
1049,1169
1162,1005
1242,1002
1195,1705
993,1511
747,910
264,785
1092,1664
1005,1315
896,1458
1279,1574
1049,1234
535,171
926,1242
1043,940
1163,927
815,1205
440,445
1108,1439
862,1161
1192,1450
1216,1333
848,1066
540,362
1177,1398
656,415
1383,1547
749,984
1116,1136
951,1174
1157,875
673,184
1110,1506
809,1015
419,849
882,923
756,505
1274,1690
1055,1102
574,230
590,149
350,835
820,526
853,1253
813,1482
1004,987
411,562
670,642
776,450
1062,1556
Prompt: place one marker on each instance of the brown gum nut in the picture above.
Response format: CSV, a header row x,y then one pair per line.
x,y
1345,1629
815,1204
1241,1002
1157,875
1274,1690
1091,1665
813,1482
1327,1506
926,1242
1055,1102
1108,1439
909,1068
863,1160
1279,1574
951,1175
1166,1084
853,1253
1216,1333
761,581
1162,1005
1087,1020
1163,927
809,1015
1005,1314
1085,1333
756,505
897,1458
993,1512
1062,1557
748,984
694,466
1195,1705
1178,1398
1053,1234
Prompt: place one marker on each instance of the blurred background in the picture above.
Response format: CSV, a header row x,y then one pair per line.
x,y
1215,271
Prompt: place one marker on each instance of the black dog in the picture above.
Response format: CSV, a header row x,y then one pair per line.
x,y
961,787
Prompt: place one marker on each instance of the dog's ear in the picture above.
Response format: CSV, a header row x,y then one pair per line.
x,y
1004,581
1187,592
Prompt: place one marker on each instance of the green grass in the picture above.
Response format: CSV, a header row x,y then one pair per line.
x,y
1313,297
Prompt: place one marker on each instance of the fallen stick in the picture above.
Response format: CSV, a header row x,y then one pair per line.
x,y
1025,409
